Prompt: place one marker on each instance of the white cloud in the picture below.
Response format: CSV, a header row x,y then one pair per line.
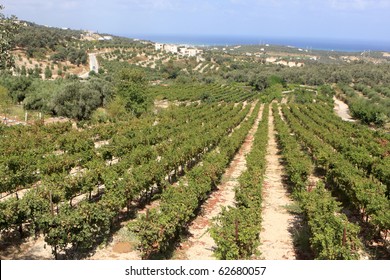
x,y
359,4
42,4
148,4
68,5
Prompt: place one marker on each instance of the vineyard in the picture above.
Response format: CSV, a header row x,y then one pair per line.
x,y
205,93
151,178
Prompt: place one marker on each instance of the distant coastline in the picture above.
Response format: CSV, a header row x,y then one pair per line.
x,y
315,44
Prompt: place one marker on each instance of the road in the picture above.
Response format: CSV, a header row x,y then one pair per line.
x,y
93,63
93,66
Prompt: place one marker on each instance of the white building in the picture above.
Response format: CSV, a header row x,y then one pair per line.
x,y
176,49
190,52
159,46
171,48
105,38
167,47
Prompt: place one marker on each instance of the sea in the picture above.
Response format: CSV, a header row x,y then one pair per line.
x,y
342,45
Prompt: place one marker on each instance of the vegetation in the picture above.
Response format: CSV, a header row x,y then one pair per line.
x,y
236,230
332,236
8,27
5,102
155,125
130,88
157,229
77,101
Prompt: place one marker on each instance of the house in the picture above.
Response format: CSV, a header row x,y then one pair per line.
x,y
171,48
159,46
167,47
176,49
190,52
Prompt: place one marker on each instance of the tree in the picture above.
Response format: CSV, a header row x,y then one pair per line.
x,y
5,101
23,71
131,88
17,86
48,73
259,82
8,29
116,109
171,70
76,100
39,95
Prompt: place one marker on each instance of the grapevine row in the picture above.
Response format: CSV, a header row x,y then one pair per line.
x,y
368,155
157,229
236,230
36,209
332,236
121,188
364,194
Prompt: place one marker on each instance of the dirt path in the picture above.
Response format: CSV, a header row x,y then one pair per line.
x,y
200,245
276,239
121,247
33,249
9,121
342,110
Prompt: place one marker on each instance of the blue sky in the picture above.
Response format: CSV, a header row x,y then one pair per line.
x,y
367,20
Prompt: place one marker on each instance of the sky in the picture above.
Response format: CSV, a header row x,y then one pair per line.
x,y
365,20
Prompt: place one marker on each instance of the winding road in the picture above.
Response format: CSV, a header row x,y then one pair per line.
x,y
93,66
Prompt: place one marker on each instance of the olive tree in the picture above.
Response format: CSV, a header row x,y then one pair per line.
x,y
8,29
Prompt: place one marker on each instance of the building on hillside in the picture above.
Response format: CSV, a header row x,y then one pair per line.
x,y
171,48
159,46
190,52
166,47
105,38
176,49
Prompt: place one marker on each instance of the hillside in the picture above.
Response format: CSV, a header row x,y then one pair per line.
x,y
61,50
184,152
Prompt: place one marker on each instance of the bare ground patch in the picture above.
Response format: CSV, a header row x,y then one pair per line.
x,y
276,238
342,110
